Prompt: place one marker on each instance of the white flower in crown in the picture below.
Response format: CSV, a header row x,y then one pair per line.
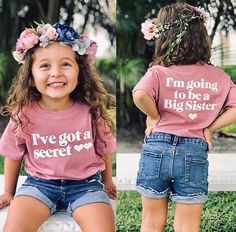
x,y
80,45
19,57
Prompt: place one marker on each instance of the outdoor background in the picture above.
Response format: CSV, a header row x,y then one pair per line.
x,y
98,20
133,57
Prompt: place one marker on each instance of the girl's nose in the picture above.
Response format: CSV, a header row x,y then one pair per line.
x,y
55,71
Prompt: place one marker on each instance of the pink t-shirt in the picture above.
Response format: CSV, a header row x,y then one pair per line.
x,y
188,97
58,145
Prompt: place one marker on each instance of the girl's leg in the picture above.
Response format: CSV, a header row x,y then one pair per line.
x,y
25,214
187,217
154,214
97,217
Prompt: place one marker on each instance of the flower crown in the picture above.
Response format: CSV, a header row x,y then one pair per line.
x,y
151,30
46,34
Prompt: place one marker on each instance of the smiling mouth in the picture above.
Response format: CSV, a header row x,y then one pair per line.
x,y
56,84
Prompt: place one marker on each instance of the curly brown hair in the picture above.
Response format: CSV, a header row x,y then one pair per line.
x,y
195,45
90,91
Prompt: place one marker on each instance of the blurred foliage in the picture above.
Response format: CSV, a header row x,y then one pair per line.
x,y
3,66
218,214
106,67
128,74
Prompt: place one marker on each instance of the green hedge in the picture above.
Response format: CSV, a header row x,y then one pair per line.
x,y
231,70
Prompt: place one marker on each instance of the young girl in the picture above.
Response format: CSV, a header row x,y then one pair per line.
x,y
60,126
183,97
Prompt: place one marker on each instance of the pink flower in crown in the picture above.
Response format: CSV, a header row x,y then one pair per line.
x,y
82,36
47,30
148,28
92,50
27,40
202,12
19,46
51,33
46,33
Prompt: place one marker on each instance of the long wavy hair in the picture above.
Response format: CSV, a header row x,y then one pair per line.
x,y
90,91
195,45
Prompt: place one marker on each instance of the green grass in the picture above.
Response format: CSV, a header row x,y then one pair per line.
x,y
218,215
229,129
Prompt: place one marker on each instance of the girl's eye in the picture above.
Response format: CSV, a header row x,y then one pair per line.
x,y
66,64
44,66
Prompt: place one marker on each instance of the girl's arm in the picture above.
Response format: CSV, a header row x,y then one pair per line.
x,y
11,173
107,177
145,103
225,119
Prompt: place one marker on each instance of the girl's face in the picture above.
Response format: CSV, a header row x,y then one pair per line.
x,y
55,75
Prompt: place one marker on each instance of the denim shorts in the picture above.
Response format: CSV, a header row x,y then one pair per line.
x,y
173,167
64,194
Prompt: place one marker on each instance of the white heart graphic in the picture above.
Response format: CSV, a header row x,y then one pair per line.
x,y
88,145
78,147
192,115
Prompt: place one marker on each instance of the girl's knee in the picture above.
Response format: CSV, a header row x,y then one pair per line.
x,y
151,222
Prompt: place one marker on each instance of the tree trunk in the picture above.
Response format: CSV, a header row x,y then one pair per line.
x,y
53,11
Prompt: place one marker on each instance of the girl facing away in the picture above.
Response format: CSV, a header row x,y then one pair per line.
x,y
185,100
60,127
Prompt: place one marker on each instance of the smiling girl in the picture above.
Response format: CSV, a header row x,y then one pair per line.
x,y
59,125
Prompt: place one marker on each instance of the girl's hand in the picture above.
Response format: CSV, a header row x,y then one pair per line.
x,y
208,134
151,123
110,188
5,199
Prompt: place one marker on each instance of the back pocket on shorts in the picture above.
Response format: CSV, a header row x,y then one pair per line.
x,y
149,165
196,171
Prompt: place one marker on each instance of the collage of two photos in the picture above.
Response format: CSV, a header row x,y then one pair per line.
x,y
117,116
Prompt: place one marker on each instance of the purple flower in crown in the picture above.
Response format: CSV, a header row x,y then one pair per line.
x,y
85,46
66,33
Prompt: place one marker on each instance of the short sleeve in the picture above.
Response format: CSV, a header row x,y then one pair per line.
x,y
11,144
149,83
106,144
231,97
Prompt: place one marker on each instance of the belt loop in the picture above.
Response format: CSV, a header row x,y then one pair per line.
x,y
175,140
145,139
